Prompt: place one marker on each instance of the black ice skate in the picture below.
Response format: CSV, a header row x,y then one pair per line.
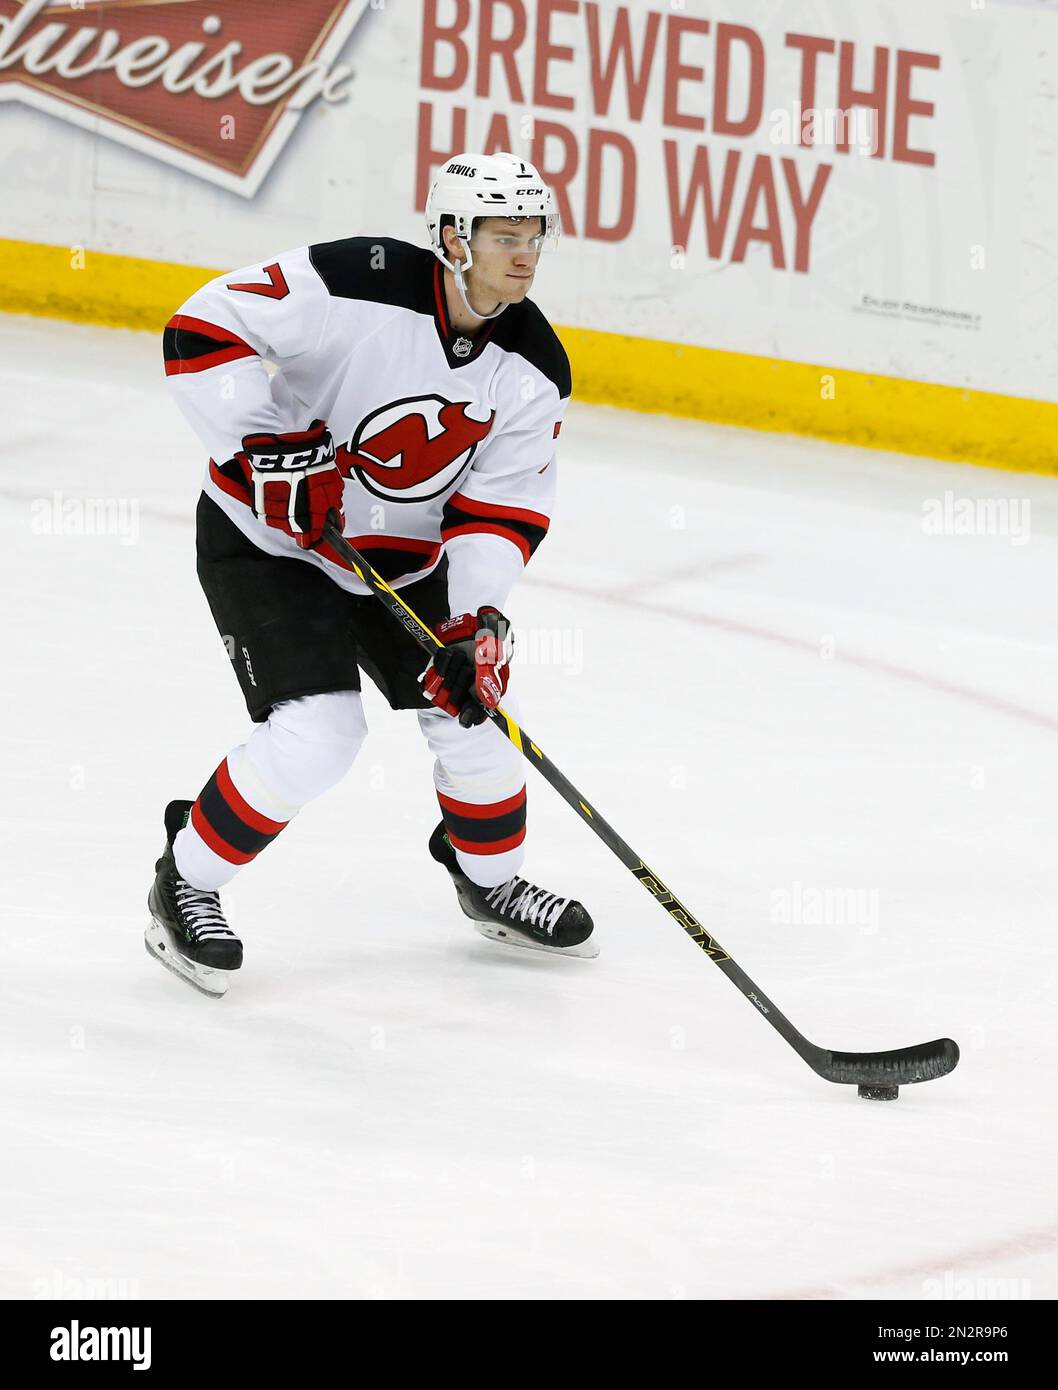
x,y
188,933
518,913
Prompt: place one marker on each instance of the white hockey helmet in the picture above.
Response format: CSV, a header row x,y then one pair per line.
x,y
486,185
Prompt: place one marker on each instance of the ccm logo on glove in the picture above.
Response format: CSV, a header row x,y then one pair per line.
x,y
296,480
469,674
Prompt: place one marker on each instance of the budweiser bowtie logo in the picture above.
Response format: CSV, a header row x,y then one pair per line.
x,y
214,88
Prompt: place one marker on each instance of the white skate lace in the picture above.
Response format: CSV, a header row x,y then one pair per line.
x,y
200,913
518,899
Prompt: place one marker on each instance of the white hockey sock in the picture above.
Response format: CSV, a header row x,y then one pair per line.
x,y
303,749
480,781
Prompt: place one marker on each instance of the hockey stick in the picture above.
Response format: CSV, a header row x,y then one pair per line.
x,y
883,1071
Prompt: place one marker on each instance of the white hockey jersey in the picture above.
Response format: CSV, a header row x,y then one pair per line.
x,y
444,442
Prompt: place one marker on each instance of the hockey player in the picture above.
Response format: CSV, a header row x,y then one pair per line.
x,y
419,393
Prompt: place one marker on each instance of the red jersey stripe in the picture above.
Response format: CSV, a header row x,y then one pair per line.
x,y
229,485
439,299
376,542
206,329
489,528
490,509
182,366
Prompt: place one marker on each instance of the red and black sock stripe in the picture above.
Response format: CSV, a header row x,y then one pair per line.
x,y
228,824
465,516
490,829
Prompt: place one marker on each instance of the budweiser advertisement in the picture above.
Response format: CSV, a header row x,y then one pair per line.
x,y
215,89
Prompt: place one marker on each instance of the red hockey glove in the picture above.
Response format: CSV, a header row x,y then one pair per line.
x,y
469,674
295,480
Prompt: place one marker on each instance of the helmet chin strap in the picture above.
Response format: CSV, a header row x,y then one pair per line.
x,y
461,287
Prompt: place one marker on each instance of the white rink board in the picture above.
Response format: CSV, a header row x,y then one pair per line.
x,y
386,1105
942,273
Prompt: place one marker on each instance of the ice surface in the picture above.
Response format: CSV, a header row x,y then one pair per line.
x,y
750,656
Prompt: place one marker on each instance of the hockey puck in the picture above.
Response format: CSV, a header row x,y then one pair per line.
x,y
878,1092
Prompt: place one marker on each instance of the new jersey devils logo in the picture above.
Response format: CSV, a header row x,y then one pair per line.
x,y
414,449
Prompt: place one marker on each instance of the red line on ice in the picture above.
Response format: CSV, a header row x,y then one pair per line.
x,y
996,703
1028,1243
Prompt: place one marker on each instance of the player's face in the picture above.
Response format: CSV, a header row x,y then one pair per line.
x,y
505,255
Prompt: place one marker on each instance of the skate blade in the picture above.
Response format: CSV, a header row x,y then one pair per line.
x,y
210,982
511,936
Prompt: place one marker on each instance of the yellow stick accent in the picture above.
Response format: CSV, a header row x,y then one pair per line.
x,y
512,729
879,412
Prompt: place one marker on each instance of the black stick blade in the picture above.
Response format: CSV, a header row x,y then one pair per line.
x,y
871,1069
903,1067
